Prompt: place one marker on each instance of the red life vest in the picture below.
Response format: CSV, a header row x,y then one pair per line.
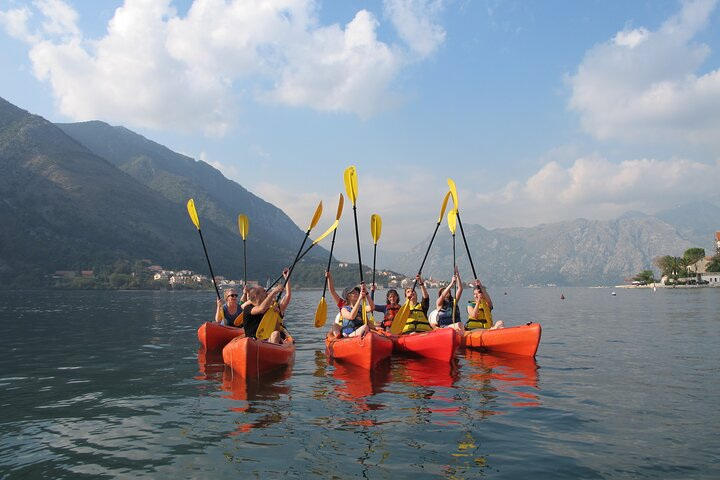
x,y
390,312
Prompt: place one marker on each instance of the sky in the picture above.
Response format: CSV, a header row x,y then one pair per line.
x,y
539,111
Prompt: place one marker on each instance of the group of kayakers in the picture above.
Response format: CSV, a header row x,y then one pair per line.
x,y
356,306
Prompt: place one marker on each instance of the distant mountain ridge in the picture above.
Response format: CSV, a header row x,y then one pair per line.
x,y
104,193
578,252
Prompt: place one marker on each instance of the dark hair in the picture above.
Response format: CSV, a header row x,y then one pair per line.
x,y
387,295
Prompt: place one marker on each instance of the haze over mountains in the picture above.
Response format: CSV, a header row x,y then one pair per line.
x,y
81,194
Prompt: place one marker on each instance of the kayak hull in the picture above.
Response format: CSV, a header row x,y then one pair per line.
x,y
214,336
365,351
250,357
440,344
520,340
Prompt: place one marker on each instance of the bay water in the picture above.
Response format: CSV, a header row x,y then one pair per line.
x,y
114,384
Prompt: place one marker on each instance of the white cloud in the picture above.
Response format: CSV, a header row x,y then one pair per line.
x,y
15,21
647,85
155,69
593,187
414,21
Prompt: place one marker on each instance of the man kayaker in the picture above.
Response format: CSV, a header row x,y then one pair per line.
x,y
480,310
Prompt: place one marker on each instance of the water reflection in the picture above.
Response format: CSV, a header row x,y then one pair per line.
x,y
510,374
254,397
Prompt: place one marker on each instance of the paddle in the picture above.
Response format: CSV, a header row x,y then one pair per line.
x,y
453,191
375,229
194,217
401,316
271,317
321,311
243,226
452,225
351,187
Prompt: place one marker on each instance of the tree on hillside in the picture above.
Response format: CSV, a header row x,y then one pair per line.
x,y
669,266
714,265
694,254
646,276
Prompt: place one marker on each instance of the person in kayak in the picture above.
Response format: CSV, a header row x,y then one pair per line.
x,y
389,309
226,313
352,317
417,319
259,302
445,306
339,301
480,310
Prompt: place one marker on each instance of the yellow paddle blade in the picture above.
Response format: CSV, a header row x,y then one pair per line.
x,y
321,313
327,232
239,320
351,183
193,213
243,225
442,210
364,313
316,217
452,220
398,323
453,192
341,202
267,324
375,227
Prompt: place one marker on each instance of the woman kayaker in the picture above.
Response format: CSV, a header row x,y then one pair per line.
x,y
352,317
480,310
446,317
417,318
259,302
389,309
226,313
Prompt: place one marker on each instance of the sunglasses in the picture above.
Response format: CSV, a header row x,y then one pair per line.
x,y
234,295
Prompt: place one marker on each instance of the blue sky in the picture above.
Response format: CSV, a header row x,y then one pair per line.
x,y
540,111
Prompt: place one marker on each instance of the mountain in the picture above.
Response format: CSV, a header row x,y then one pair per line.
x,y
273,238
579,252
67,206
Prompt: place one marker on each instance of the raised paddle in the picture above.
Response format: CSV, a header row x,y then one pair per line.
x,y
194,217
274,316
375,230
401,316
453,191
271,317
452,225
321,311
351,187
243,226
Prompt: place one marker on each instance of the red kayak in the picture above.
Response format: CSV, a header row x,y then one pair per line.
x,y
214,336
440,344
250,357
365,351
520,340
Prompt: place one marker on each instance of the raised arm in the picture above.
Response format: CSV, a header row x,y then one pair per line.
x,y
459,283
288,293
219,316
331,288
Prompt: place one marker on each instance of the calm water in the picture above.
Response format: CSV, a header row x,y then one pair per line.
x,y
113,385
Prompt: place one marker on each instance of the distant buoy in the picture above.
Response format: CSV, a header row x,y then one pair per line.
x,y
613,294
562,297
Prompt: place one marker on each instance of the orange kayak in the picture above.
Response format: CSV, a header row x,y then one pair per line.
x,y
520,340
365,351
440,344
250,357
214,336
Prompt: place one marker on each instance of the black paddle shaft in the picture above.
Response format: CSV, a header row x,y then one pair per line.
x,y
357,240
332,246
292,267
466,245
426,253
372,292
245,263
209,266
